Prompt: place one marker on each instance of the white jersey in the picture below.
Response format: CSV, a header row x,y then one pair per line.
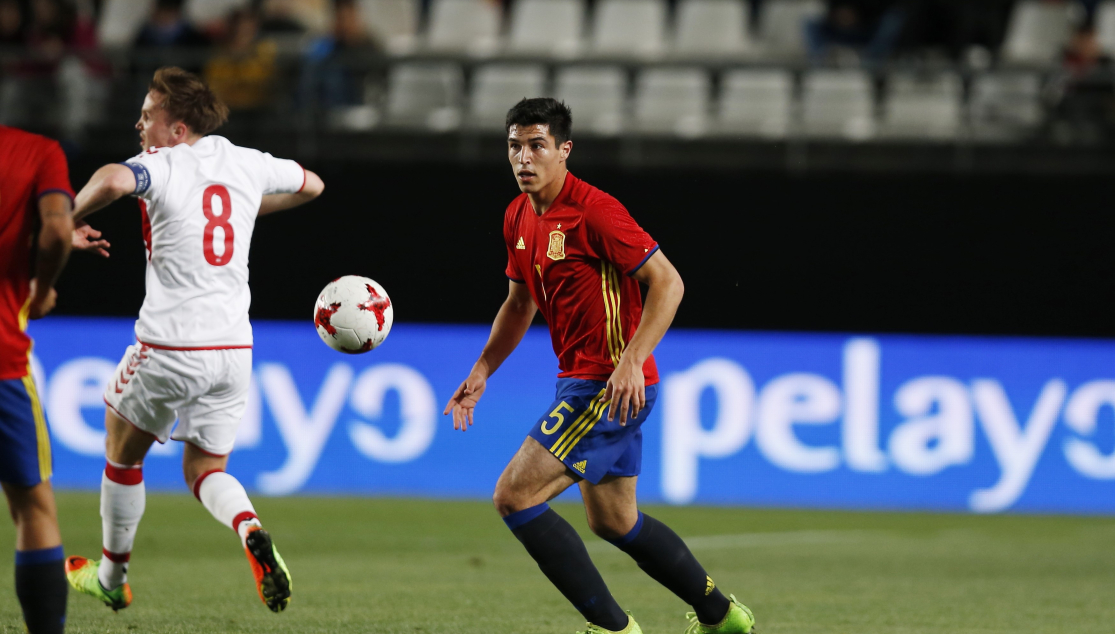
x,y
200,204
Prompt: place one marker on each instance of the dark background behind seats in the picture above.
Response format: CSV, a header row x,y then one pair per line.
x,y
856,252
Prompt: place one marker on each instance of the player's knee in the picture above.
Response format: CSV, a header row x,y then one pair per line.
x,y
506,501
31,505
607,528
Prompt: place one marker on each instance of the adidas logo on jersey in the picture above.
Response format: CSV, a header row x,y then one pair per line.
x,y
521,244
580,466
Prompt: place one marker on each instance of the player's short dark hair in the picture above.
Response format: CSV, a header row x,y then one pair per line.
x,y
543,111
188,99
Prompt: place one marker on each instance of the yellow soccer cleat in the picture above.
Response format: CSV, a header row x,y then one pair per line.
x,y
82,575
738,620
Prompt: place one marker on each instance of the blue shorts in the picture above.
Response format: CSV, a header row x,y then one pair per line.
x,y
24,439
577,431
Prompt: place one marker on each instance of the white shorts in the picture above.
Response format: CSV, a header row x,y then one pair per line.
x,y
206,391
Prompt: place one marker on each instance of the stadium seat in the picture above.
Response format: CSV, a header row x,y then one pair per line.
x,y
205,11
672,101
1105,26
563,22
597,95
497,87
425,95
629,28
755,103
712,28
782,26
121,21
1005,105
394,23
922,107
1037,30
838,104
464,26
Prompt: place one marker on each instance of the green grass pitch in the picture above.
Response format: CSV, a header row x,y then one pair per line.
x,y
408,566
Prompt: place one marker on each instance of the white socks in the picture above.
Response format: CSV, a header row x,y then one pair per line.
x,y
123,500
224,497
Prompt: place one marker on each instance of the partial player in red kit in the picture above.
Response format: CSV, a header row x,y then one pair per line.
x,y
576,255
34,181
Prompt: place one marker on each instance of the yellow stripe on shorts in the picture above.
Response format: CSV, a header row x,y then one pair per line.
x,y
42,436
575,432
577,422
589,424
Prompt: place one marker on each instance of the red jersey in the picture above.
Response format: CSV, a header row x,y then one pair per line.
x,y
30,166
577,260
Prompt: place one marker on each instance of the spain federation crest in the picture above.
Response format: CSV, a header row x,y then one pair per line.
x,y
557,246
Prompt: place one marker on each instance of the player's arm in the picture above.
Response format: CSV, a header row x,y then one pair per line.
x,y
55,210
626,388
107,185
278,202
511,324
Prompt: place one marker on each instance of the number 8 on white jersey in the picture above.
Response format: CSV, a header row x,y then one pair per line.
x,y
199,204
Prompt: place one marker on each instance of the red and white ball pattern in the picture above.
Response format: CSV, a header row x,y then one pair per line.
x,y
353,314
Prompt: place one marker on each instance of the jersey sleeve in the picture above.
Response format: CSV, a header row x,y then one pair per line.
x,y
152,172
614,236
512,271
282,176
53,176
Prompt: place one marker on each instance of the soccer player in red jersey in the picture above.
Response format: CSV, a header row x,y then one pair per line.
x,y
34,180
575,254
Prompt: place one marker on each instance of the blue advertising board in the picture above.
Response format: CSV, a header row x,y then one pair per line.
x,y
826,421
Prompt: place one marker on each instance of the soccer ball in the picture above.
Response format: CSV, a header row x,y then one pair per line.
x,y
353,314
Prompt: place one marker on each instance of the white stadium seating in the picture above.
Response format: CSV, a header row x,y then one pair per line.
x,y
782,26
546,27
496,87
425,95
707,28
1004,105
463,27
1037,30
838,104
629,28
673,101
922,107
756,103
394,23
597,95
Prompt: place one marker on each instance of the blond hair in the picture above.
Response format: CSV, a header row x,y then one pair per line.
x,y
188,99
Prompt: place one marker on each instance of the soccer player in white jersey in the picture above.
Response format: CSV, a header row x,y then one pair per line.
x,y
192,360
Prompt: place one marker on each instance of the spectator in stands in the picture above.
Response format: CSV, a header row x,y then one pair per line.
x,y
169,28
869,27
328,75
243,73
11,24
1082,93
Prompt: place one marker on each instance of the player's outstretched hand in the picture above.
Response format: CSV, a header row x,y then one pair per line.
x,y
464,401
86,239
627,392
41,304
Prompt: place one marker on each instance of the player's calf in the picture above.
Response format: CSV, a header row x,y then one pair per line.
x,y
40,580
227,501
665,557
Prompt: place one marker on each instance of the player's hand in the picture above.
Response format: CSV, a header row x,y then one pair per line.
x,y
86,239
627,391
41,302
464,401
